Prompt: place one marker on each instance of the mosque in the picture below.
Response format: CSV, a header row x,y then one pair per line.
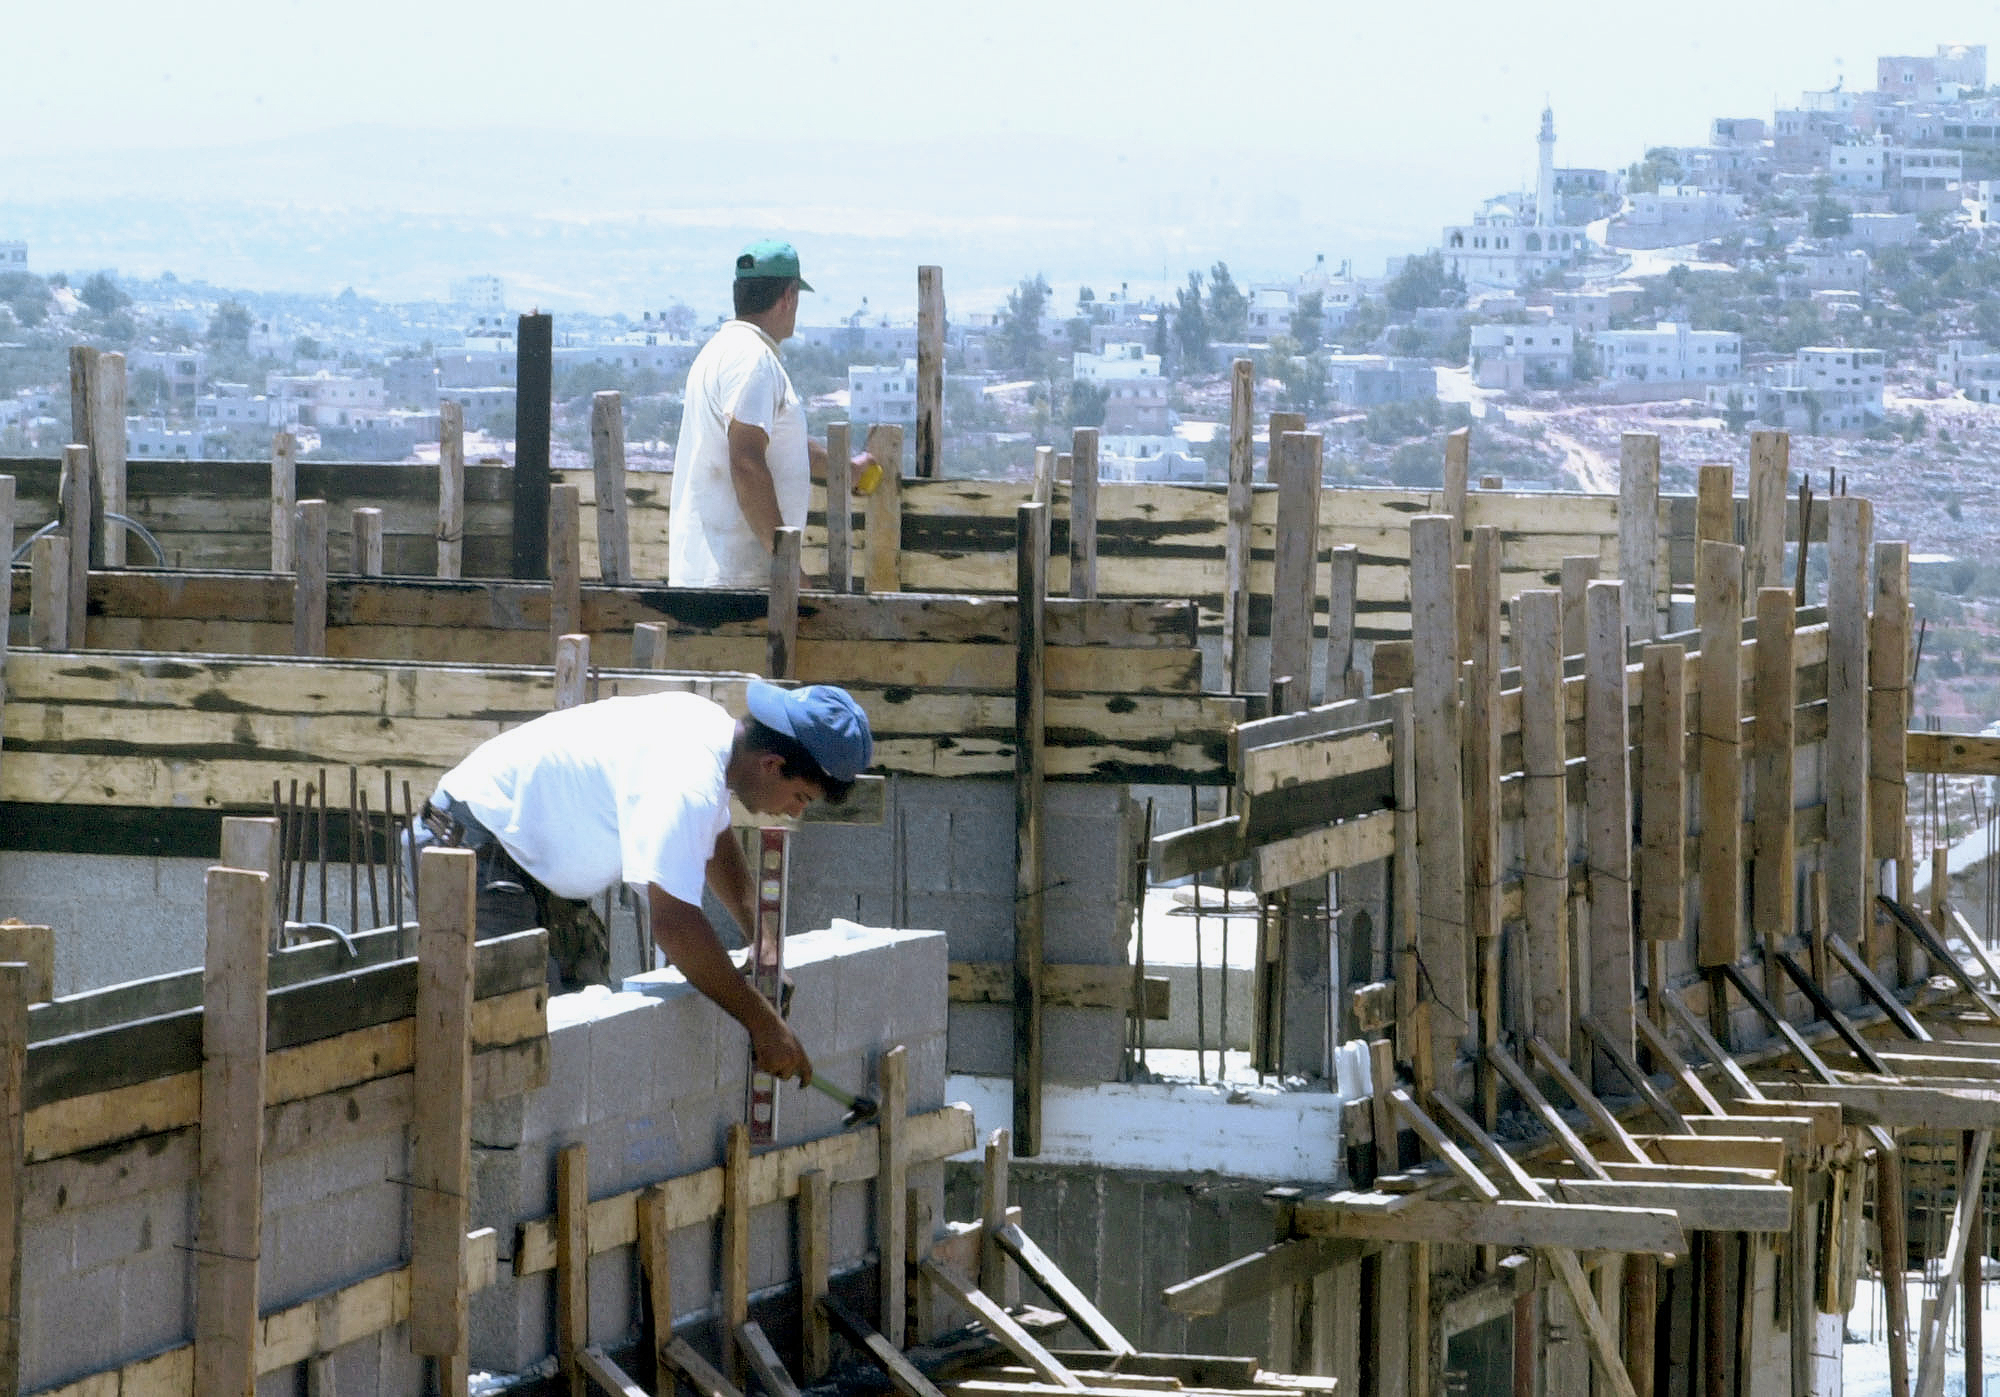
x,y
1513,239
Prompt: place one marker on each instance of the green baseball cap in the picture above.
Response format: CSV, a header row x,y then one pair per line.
x,y
769,257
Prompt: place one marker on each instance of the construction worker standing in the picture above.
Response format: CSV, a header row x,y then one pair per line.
x,y
637,790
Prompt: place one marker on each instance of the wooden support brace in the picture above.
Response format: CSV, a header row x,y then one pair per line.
x,y
607,463
902,1373
284,497
763,1359
1616,1136
891,1182
1030,731
1719,610
441,1176
572,1263
1004,1327
1538,647
736,1247
930,374
656,1267
365,541
781,626
1665,1055
1638,531
309,580
885,511
565,546
1628,1068
1931,1357
815,1258
1531,1096
1083,513
612,1379
1608,811
1059,1288
996,1276
697,1372
13,1058
839,509
1442,945
1236,532
451,490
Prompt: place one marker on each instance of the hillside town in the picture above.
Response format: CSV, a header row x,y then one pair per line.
x,y
1825,270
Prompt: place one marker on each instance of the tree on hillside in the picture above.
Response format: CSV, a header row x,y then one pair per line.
x,y
27,296
229,328
1021,326
1309,321
1191,324
103,295
1228,307
1424,282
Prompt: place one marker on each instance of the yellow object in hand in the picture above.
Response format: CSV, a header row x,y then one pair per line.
x,y
867,473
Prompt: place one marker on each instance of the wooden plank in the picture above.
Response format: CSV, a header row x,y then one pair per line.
x,y
815,1256
534,376
930,376
839,509
696,1371
1701,1207
1343,678
1296,457
451,489
764,1361
1457,467
1666,1056
902,1373
885,511
1849,914
1506,1223
1083,513
33,948
1898,1105
1531,1096
284,497
1441,1144
1256,1275
1003,1327
1288,863
1715,505
1481,620
1089,1320
656,1266
607,464
1063,986
782,628
1638,531
1773,892
1619,1140
1538,640
1263,770
572,1263
892,1095
1608,811
78,494
1931,1357
1719,611
612,1379
440,1154
1952,753
565,558
1442,942
1770,482
1663,796
1888,700
229,1226
365,546
309,560
1752,1152
1030,728
48,593
996,1276
13,1052
1236,533
107,452
1628,1068
736,1246
1577,575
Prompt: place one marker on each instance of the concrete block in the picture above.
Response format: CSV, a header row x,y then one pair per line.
x,y
291,1181
684,1033
927,1073
700,1126
693,1257
981,1040
48,1247
364,1162
120,1230
614,1297
979,922
850,1229
560,1109
512,1323
289,1382
627,1153
499,1122
156,1300
68,1329
625,1060
771,1245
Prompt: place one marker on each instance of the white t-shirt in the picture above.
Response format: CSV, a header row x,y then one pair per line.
x,y
737,376
624,789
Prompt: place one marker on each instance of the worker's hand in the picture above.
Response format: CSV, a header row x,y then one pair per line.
x,y
778,1052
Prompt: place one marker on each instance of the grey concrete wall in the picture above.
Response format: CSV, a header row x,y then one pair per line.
x,y
649,1078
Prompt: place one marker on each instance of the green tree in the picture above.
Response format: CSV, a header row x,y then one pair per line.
x,y
1021,348
1228,307
1085,407
103,295
1423,281
1191,324
1583,359
1309,321
27,296
229,328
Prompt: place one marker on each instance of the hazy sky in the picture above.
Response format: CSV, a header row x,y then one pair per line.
x,y
1383,120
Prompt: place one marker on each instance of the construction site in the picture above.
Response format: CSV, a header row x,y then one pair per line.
x,y
1591,1033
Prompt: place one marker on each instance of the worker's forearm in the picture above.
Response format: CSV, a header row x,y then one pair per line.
x,y
816,459
691,944
756,495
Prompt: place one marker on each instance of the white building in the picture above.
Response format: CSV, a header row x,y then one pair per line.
x,y
1675,213
1809,269
1512,242
223,409
323,400
149,438
1121,359
1973,367
662,354
1585,312
482,295
1521,356
13,257
1670,352
882,392
1825,388
1922,178
1858,165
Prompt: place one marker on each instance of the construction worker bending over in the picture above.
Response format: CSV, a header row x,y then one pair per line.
x,y
637,790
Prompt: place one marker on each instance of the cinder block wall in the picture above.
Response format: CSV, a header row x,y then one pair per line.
x,y
649,1078
943,857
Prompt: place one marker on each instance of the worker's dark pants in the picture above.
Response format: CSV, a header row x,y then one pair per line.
x,y
511,899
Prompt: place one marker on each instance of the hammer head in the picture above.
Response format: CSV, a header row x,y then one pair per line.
x,y
861,1112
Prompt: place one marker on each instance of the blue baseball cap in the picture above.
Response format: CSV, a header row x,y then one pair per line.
x,y
770,257
821,718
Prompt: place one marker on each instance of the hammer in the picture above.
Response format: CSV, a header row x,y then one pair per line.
x,y
860,1109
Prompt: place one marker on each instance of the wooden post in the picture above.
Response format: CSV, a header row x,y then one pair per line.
x,y
1482,784
1889,718
885,511
1663,798
366,545
83,417
607,463
1639,531
1973,1283
1893,1223
232,1134
451,489
1297,457
1031,575
284,499
6,573
1083,513
1850,909
1236,537
736,1247
1538,629
107,450
1773,890
1608,819
309,579
76,510
649,645
930,371
997,1275
1042,489
1343,680
1457,470
1715,505
815,1253
572,670
440,1152
1442,942
1578,572
781,617
892,1095
534,379
1719,612
573,1262
13,1108
252,843
1642,1301
656,1264
1937,1309
839,513
1770,475
565,560
48,593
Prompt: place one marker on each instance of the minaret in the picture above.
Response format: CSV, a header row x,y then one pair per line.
x,y
1545,177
